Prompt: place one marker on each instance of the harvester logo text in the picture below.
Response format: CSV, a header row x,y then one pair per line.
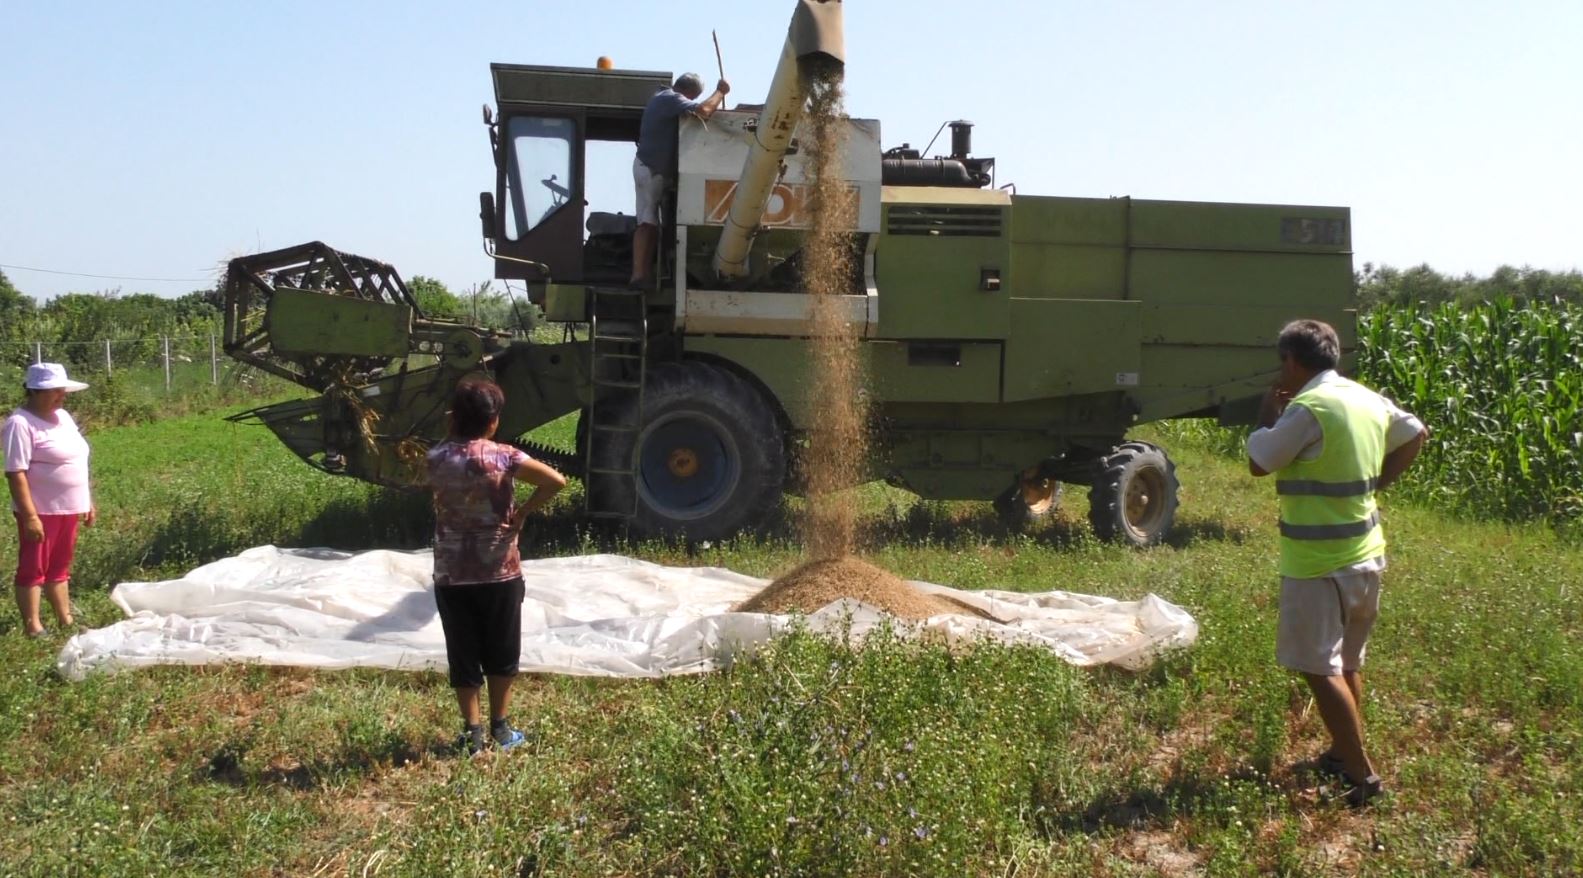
x,y
787,204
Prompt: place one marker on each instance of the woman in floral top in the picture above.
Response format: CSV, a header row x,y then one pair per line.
x,y
477,569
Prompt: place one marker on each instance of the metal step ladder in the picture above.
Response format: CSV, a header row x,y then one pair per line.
x,y
618,355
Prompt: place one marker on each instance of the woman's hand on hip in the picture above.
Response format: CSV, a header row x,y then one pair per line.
x,y
33,529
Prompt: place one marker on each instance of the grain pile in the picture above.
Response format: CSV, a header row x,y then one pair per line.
x,y
819,582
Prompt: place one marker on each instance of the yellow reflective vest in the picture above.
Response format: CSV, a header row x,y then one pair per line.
x,y
1328,516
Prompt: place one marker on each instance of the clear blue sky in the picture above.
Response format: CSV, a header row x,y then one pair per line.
x,y
159,139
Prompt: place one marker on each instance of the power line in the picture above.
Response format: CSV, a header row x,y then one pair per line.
x,y
110,276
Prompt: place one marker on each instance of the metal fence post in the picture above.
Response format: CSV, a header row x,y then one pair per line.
x,y
214,362
107,366
38,352
166,339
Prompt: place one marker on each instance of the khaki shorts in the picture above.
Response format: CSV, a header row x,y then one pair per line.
x,y
1325,623
650,188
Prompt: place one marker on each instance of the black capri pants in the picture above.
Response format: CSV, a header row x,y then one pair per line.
x,y
483,629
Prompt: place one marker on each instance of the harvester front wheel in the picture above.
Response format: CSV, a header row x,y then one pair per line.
x,y
1133,499
1032,498
708,459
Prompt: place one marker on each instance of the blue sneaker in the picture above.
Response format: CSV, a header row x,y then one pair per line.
x,y
505,736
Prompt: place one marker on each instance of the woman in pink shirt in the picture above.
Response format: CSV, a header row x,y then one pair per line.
x,y
477,567
46,468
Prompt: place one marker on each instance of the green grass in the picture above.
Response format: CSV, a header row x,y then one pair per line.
x,y
813,758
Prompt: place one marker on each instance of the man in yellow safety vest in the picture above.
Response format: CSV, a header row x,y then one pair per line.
x,y
1332,444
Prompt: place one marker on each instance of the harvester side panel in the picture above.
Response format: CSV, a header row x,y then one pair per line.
x,y
941,264
1064,347
1068,248
1177,304
898,372
1221,280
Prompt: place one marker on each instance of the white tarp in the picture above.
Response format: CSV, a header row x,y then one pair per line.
x,y
602,615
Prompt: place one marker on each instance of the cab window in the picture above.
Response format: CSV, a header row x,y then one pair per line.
x,y
539,172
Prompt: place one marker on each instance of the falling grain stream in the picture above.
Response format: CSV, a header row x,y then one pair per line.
x,y
835,457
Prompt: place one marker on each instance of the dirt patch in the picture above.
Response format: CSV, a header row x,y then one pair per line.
x,y
818,583
1162,852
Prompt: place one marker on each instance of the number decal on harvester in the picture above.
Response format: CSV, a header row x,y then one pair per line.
x,y
1313,230
786,205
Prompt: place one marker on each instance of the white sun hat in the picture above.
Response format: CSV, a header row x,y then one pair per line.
x,y
50,376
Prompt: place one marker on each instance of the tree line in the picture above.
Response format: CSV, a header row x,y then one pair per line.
x,y
78,318
1384,285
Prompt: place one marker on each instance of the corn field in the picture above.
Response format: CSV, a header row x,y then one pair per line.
x,y
1500,386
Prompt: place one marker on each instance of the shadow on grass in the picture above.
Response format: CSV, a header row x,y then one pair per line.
x,y
1140,809
389,519
229,765
398,519
926,523
1194,531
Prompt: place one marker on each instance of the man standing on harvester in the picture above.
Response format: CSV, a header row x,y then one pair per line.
x,y
655,163
1332,444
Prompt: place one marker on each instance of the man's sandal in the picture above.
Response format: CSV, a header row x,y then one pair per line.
x,y
1354,794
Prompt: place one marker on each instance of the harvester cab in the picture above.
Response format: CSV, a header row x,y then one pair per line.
x,y
536,218
1010,342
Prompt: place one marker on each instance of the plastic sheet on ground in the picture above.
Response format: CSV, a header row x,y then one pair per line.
x,y
601,615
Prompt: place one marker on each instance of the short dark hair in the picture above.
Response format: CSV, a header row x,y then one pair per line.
x,y
1312,343
475,404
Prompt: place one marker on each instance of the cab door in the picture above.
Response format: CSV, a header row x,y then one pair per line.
x,y
542,184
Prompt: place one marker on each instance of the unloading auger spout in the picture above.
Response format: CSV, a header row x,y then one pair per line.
x,y
814,48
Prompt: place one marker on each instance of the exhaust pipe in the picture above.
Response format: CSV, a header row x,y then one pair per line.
x,y
814,47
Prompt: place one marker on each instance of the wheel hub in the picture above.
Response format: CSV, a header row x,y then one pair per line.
x,y
1039,494
1142,506
682,462
688,465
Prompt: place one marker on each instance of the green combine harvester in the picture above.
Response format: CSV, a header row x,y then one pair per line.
x,y
1010,341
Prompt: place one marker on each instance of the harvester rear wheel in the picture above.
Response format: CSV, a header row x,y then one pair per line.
x,y
708,457
1133,499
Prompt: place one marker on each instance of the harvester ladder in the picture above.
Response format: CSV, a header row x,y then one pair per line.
x,y
618,355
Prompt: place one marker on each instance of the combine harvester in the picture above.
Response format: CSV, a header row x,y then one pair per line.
x,y
1010,341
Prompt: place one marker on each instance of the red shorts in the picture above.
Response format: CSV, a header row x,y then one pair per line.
x,y
48,560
